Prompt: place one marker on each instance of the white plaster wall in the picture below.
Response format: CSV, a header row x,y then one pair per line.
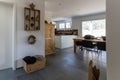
x,y
113,39
64,20
77,24
48,16
77,21
22,47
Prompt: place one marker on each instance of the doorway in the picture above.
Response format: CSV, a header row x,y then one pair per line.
x,y
6,14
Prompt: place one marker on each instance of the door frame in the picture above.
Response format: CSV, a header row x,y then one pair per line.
x,y
14,33
14,37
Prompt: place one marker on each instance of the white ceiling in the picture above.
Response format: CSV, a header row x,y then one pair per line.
x,y
70,8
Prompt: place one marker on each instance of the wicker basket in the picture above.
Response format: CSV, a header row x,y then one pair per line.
x,y
39,64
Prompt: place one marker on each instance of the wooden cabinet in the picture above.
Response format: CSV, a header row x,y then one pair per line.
x,y
49,39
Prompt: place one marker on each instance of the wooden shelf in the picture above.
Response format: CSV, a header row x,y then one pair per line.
x,y
31,19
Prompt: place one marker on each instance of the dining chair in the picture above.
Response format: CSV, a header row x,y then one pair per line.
x,y
101,46
89,37
80,44
89,45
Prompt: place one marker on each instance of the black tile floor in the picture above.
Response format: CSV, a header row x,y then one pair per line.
x,y
64,65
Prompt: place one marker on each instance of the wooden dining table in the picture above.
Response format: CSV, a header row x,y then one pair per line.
x,y
81,39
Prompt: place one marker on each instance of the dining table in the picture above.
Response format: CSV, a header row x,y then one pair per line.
x,y
81,39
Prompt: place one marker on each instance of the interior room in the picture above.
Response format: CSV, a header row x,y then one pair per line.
x,y
74,25
59,40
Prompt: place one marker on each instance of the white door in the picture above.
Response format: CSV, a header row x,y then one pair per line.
x,y
5,36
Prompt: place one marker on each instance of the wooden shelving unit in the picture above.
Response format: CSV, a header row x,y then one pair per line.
x,y
31,18
49,39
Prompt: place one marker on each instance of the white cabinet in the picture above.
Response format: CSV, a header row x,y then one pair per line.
x,y
64,41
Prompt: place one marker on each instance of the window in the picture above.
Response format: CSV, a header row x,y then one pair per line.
x,y
96,28
66,25
61,25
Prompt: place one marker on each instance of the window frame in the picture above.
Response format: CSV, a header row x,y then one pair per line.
x,y
91,30
65,24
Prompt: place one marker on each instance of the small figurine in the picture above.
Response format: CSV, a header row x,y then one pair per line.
x,y
32,6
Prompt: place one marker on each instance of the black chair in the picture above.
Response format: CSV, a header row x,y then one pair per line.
x,y
88,44
104,38
89,37
101,46
79,43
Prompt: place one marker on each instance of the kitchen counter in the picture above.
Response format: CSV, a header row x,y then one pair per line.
x,y
64,41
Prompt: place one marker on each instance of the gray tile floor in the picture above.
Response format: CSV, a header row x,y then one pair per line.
x,y
64,65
